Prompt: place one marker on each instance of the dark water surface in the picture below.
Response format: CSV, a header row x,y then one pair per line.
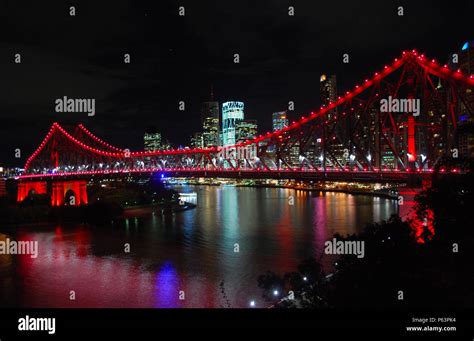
x,y
191,251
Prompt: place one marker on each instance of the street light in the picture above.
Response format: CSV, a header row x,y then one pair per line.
x,y
252,303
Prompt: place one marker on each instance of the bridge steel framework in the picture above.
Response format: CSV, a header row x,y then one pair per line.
x,y
350,139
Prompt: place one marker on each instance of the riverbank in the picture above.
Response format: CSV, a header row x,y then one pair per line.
x,y
92,213
389,195
386,193
173,208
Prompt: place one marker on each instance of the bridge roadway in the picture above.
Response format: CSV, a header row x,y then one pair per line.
x,y
314,175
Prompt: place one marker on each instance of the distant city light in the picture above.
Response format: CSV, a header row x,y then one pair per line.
x,y
252,304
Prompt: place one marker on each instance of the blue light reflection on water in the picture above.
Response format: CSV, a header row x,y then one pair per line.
x,y
167,287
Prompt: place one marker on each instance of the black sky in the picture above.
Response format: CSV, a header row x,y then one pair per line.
x,y
177,58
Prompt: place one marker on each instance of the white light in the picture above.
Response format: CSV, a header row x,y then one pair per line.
x,y
369,157
352,157
305,278
275,292
252,304
423,157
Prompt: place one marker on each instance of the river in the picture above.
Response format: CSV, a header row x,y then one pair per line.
x,y
179,260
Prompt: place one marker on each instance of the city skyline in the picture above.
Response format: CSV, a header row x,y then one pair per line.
x,y
312,161
328,92
279,63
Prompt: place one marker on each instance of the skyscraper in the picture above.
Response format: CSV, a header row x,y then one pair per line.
x,y
279,120
232,113
466,58
197,140
466,120
245,130
210,122
152,141
328,91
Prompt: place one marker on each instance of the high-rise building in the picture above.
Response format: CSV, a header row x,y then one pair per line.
x,y
152,141
245,130
328,91
279,120
197,140
210,122
466,58
465,119
232,113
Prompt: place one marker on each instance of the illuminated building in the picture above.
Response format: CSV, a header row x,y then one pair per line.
x,y
279,120
232,113
245,130
210,122
197,140
328,91
152,141
465,119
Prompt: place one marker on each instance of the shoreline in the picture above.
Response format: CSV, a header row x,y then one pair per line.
x,y
335,190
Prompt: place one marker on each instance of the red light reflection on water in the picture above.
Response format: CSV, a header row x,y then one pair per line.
x,y
65,263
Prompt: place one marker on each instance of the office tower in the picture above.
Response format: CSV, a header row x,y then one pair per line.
x,y
210,122
328,92
152,141
197,140
465,118
245,130
279,120
232,113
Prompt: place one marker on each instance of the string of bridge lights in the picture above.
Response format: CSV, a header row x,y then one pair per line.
x,y
424,62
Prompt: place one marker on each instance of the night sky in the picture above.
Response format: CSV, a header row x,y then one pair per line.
x,y
177,58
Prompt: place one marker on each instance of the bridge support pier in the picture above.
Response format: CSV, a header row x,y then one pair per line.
x,y
61,188
24,188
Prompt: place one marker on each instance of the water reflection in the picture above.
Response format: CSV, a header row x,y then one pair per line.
x,y
190,252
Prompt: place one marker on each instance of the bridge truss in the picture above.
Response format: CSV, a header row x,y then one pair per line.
x,y
353,135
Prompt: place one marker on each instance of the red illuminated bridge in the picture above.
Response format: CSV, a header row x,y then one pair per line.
x,y
352,139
